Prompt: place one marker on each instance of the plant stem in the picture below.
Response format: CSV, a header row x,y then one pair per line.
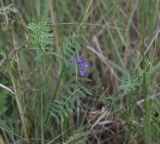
x,y
59,47
17,98
148,134
55,90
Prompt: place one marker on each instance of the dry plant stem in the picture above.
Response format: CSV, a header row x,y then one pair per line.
x,y
25,120
57,35
16,52
1,141
62,65
126,49
17,98
93,131
129,4
53,19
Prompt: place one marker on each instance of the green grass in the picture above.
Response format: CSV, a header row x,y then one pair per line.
x,y
43,98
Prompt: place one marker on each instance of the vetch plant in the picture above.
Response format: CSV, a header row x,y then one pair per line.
x,y
81,63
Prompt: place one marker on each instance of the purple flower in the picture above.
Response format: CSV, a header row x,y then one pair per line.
x,y
80,59
81,62
82,72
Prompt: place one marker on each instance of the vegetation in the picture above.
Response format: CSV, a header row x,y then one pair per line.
x,y
79,71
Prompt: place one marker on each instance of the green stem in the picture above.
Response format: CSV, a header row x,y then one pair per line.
x,y
42,122
53,97
148,133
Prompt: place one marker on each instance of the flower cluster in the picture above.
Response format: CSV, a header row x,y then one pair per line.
x,y
82,64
